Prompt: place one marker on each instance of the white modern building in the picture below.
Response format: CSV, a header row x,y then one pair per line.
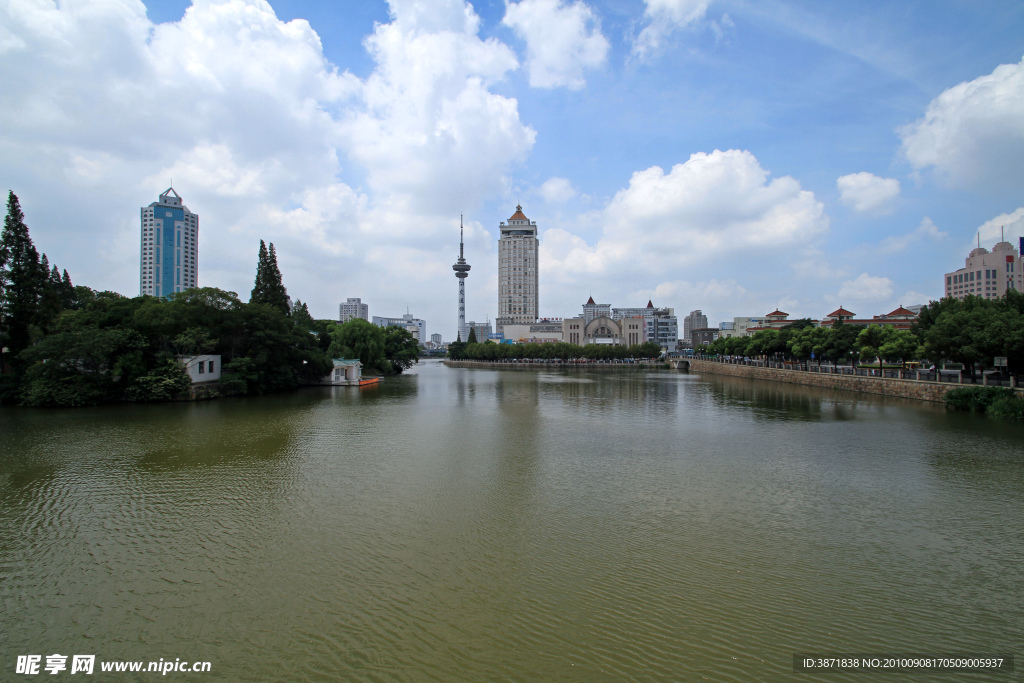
x,y
169,255
353,308
987,274
416,327
435,339
518,249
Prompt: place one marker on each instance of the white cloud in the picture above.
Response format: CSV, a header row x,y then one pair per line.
x,y
867,192
926,229
663,18
562,40
866,288
1009,226
557,190
712,205
973,133
263,137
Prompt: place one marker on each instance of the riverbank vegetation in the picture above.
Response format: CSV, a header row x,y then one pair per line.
x,y
66,345
489,351
972,331
995,401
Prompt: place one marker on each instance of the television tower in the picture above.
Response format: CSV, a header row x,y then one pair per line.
x,y
461,269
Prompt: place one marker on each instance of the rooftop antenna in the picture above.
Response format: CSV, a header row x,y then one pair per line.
x,y
1002,233
460,237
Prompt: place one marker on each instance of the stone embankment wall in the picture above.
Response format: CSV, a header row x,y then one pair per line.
x,y
903,388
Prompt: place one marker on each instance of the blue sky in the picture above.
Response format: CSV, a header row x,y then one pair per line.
x,y
729,156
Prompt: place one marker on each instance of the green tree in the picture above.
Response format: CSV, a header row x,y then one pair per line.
x,y
21,281
269,288
472,336
360,339
301,317
870,341
400,348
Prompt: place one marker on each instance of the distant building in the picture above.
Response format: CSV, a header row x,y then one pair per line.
x,y
483,331
603,330
660,324
416,327
169,260
436,339
740,326
518,249
901,318
703,336
775,320
987,274
544,330
593,310
695,320
353,308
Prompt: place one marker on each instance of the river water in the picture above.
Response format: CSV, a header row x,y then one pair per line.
x,y
466,525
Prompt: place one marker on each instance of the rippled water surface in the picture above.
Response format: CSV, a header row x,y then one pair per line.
x,y
457,524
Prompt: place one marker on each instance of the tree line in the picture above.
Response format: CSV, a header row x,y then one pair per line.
x,y
66,345
471,350
972,331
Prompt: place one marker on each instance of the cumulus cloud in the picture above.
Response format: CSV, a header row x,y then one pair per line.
x,y
262,135
1009,226
713,204
973,133
557,190
926,230
663,18
866,288
868,192
562,40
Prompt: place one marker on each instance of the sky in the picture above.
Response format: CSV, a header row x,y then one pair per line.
x,y
732,156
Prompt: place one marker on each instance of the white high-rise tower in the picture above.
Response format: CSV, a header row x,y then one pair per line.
x,y
170,252
461,269
517,271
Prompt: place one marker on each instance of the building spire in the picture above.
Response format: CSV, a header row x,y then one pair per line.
x,y
460,237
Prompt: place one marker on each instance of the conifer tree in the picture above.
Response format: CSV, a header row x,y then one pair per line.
x,y
67,292
49,294
261,276
20,279
472,336
269,288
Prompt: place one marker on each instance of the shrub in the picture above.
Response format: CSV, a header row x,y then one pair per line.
x,y
976,399
1008,408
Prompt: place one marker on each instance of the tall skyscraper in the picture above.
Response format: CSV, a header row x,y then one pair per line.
x,y
461,269
170,253
517,271
353,308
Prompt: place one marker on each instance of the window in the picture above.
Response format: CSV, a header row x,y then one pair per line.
x,y
201,366
210,365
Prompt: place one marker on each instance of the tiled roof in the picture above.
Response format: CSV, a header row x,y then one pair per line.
x,y
840,311
902,311
518,215
590,301
777,312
